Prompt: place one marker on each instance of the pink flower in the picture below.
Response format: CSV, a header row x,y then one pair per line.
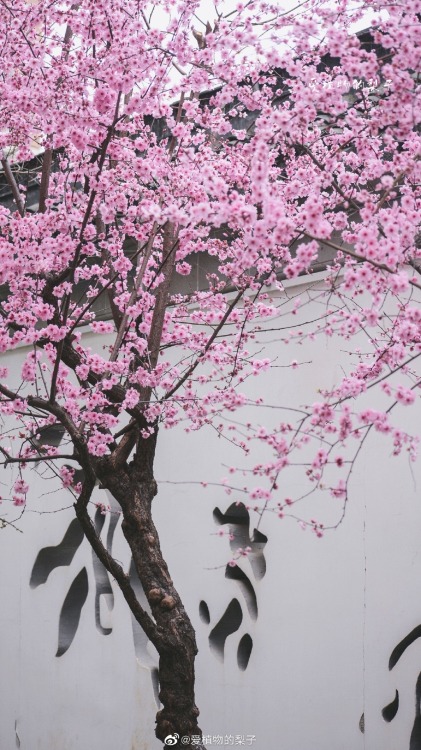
x,y
404,395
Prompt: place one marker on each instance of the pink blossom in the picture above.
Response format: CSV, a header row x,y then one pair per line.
x,y
67,474
404,395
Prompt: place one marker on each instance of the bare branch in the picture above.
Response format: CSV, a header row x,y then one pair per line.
x,y
13,186
33,459
125,446
4,522
113,567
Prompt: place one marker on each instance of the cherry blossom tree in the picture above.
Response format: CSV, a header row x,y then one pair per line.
x,y
248,139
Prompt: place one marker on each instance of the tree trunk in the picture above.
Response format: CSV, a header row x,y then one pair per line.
x,y
175,637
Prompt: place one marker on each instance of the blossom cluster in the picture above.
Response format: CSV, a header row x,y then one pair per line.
x,y
193,175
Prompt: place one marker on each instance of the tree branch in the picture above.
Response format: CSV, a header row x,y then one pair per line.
x,y
168,261
45,179
125,446
132,299
209,343
113,567
61,415
357,256
13,186
33,459
106,257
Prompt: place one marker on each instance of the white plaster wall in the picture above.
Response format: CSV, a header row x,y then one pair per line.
x,y
330,611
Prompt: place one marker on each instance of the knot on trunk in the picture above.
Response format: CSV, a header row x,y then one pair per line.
x,y
168,602
155,595
165,601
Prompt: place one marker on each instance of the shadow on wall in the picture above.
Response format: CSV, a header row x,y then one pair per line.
x,y
389,712
237,519
62,554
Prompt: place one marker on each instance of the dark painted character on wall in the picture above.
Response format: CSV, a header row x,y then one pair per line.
x,y
389,712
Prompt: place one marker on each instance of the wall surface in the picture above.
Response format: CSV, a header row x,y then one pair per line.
x,y
294,647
